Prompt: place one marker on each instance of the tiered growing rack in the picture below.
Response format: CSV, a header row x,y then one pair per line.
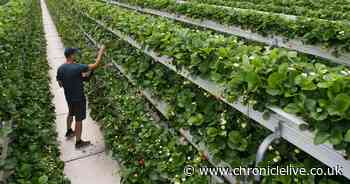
x,y
272,40
163,107
289,123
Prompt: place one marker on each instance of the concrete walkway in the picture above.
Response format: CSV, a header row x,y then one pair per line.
x,y
91,165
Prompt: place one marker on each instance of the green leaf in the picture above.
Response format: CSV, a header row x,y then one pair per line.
x,y
319,116
275,79
305,83
324,84
292,108
43,179
323,103
234,136
292,54
215,76
283,69
321,137
198,119
212,132
154,176
342,102
252,79
223,52
310,104
347,136
273,92
336,137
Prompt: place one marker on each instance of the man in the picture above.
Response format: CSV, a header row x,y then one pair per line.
x,y
70,76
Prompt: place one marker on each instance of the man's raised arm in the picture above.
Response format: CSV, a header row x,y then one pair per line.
x,y
98,59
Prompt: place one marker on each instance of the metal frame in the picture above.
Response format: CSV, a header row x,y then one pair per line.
x,y
290,126
264,146
273,40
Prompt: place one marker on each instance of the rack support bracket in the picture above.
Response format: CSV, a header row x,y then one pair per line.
x,y
265,144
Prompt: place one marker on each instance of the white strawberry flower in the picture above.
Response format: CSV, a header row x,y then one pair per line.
x,y
222,120
344,72
323,71
297,151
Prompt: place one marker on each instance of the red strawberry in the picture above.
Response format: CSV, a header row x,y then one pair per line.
x,y
142,162
204,157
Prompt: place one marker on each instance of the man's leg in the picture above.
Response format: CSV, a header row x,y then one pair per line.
x,y
80,116
69,122
78,130
70,132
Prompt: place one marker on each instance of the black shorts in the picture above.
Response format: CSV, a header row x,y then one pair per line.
x,y
78,110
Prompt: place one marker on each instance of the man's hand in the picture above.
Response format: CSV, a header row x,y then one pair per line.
x,y
98,59
102,50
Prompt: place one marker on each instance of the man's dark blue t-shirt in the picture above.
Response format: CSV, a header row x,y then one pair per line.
x,y
72,79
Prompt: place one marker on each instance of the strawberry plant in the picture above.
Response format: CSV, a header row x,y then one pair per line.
x,y
2,2
337,5
326,10
310,30
25,99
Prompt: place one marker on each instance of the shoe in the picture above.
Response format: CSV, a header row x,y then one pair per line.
x,y
82,144
70,134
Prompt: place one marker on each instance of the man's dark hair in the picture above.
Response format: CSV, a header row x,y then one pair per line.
x,y
70,51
